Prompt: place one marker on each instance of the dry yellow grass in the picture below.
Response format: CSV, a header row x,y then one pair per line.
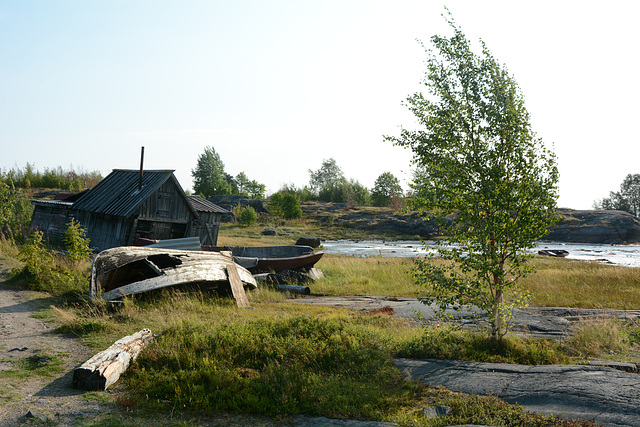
x,y
380,276
571,283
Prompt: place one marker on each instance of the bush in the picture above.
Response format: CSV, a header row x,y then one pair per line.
x,y
44,272
38,261
286,205
76,242
248,216
345,191
15,212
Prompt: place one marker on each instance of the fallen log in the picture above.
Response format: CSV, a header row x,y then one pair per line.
x,y
104,369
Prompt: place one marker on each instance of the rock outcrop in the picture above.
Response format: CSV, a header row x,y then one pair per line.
x,y
575,226
373,219
595,226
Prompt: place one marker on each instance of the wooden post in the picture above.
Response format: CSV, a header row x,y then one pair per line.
x,y
237,289
104,369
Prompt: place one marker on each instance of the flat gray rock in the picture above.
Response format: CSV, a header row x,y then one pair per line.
x,y
604,395
305,421
546,322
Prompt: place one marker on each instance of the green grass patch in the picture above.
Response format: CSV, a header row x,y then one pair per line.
x,y
40,364
446,342
337,367
283,359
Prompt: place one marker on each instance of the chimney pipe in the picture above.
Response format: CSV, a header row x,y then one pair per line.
x,y
141,163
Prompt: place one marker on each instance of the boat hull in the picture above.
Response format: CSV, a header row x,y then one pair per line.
x,y
265,259
558,253
122,271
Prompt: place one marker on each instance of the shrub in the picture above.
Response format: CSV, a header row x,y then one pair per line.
x,y
286,205
248,216
76,242
44,272
15,212
38,261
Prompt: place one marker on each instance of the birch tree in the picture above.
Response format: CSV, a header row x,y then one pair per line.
x,y
491,182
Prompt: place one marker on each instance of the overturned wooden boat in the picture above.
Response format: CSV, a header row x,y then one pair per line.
x,y
265,259
560,253
131,270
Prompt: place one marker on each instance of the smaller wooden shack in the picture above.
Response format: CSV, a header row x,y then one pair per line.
x,y
128,205
210,216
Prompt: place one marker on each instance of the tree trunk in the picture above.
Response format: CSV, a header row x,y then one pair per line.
x,y
104,369
496,326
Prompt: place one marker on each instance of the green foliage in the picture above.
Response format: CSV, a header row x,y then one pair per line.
x,y
38,261
76,241
496,184
44,272
286,205
281,366
328,184
386,188
209,177
627,199
249,188
247,216
75,181
15,211
446,342
345,191
329,175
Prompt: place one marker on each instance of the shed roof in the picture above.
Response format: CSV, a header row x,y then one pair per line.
x,y
203,205
118,194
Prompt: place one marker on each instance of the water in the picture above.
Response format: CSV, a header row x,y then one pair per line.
x,y
627,255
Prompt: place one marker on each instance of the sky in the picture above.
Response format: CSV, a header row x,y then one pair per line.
x,y
278,86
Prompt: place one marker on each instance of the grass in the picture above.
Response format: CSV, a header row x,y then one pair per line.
x,y
280,359
42,364
380,276
579,284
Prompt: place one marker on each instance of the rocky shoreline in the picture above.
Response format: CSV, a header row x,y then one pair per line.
x,y
574,226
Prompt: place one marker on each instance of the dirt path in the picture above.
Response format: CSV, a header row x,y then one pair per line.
x,y
27,338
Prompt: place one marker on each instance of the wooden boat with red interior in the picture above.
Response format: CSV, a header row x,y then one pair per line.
x,y
265,259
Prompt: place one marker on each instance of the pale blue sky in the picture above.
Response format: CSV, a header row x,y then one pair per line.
x,y
277,86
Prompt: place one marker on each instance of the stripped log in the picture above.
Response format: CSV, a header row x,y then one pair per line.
x,y
104,369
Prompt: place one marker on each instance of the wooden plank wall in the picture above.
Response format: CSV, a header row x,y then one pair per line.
x,y
105,231
51,220
166,204
210,220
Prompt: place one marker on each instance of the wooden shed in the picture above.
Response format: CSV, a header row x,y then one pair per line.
x,y
128,205
210,216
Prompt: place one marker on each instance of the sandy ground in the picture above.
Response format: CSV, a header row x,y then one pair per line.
x,y
23,336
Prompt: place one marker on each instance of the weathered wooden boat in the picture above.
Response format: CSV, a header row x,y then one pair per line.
x,y
560,253
130,270
265,259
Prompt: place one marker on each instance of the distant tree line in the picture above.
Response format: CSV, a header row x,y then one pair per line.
x,y
326,184
211,179
67,179
627,199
